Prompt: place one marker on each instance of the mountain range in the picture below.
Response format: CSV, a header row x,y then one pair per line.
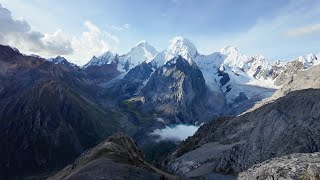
x,y
52,110
239,79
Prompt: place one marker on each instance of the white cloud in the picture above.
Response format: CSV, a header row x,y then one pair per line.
x,y
18,33
90,43
175,133
304,30
77,49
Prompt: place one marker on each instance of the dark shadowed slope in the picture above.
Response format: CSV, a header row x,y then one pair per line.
x,y
48,115
118,157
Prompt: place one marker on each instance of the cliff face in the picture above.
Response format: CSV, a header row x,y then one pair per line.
x,y
178,90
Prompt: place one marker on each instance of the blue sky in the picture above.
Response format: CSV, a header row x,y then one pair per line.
x,y
277,29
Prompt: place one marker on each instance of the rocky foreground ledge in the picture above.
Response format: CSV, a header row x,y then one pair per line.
x,y
118,157
304,166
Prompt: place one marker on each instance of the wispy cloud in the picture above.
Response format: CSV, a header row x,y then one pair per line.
x,y
120,28
305,30
112,37
273,36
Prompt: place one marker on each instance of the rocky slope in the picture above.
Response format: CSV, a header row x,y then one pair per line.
x,y
118,157
48,114
132,83
289,69
231,145
293,166
299,80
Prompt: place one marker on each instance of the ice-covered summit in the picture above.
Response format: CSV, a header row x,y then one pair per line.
x,y
309,60
229,50
178,46
183,47
233,58
105,58
143,51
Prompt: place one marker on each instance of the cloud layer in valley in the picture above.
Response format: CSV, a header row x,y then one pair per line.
x,y
175,133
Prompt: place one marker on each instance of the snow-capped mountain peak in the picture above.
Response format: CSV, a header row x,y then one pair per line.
x,y
233,58
143,51
57,60
236,60
60,60
105,58
183,47
229,50
309,60
105,54
142,44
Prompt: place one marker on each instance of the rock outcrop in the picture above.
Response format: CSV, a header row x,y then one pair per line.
x,y
291,167
118,157
302,80
288,71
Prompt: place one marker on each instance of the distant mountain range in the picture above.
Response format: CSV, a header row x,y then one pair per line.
x,y
239,79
